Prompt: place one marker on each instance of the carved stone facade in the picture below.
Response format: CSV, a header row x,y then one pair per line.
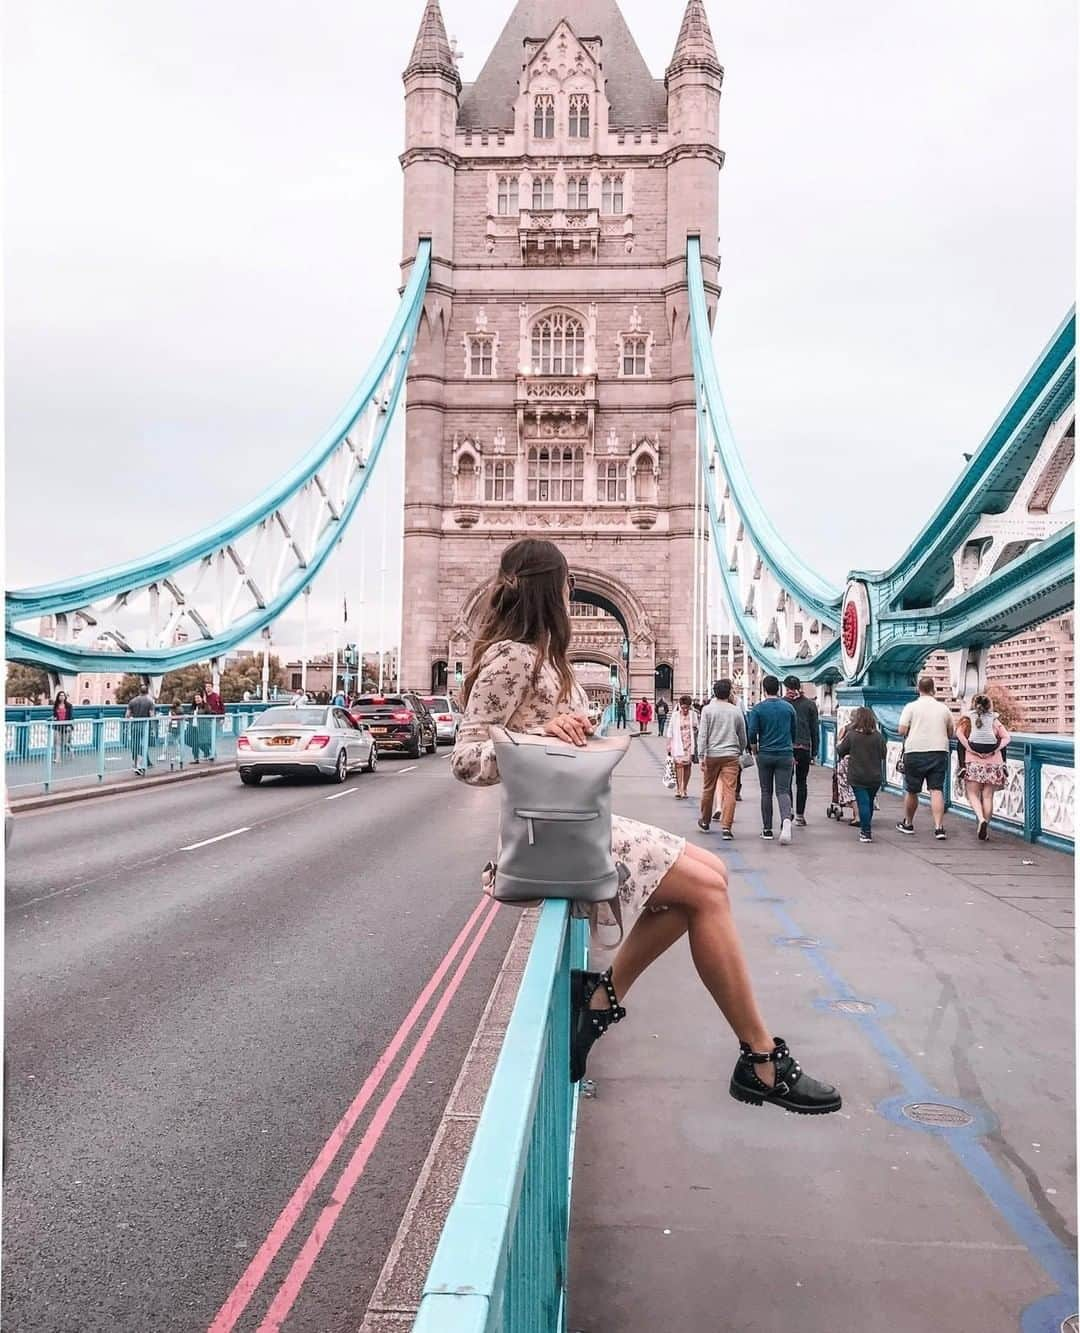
x,y
551,388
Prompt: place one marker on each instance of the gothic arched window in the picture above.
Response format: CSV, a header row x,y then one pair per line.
x,y
556,474
499,482
544,116
579,115
543,192
577,192
558,345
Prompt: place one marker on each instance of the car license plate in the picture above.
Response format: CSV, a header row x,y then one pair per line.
x,y
379,731
281,740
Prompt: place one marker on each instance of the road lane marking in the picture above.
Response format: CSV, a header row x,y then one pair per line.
x,y
339,794
411,769
324,1223
237,1300
220,838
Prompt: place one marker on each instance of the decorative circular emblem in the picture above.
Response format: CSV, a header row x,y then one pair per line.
x,y
854,628
850,629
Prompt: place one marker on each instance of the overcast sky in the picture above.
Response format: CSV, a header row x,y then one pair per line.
x,y
203,230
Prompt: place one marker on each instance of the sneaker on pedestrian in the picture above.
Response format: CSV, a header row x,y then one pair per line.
x,y
800,821
940,834
984,830
766,833
904,827
727,835
717,816
785,832
865,837
704,825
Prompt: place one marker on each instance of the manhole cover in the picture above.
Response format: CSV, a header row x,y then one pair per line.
x,y
800,942
1072,1324
935,1113
853,1006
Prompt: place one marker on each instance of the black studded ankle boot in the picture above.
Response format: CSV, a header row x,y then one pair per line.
x,y
589,1025
793,1090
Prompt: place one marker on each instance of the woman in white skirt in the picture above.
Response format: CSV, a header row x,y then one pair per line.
x,y
520,678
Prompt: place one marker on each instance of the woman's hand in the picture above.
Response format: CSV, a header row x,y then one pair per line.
x,y
573,728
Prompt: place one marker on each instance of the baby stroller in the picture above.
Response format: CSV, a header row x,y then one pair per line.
x,y
834,810
841,794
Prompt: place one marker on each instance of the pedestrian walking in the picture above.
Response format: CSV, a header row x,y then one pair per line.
x,y
620,711
772,727
926,728
807,737
520,677
174,734
198,737
983,741
863,746
682,745
63,713
662,711
643,713
721,744
140,710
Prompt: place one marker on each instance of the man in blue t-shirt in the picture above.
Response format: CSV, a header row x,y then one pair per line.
x,y
771,729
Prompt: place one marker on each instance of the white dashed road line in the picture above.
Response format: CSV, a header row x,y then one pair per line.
x,y
220,838
411,769
339,794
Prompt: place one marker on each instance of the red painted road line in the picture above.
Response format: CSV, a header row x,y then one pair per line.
x,y
324,1223
237,1300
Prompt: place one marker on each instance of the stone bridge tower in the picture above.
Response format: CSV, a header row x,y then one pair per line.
x,y
551,389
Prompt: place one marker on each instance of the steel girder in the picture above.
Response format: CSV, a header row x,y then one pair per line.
x,y
199,597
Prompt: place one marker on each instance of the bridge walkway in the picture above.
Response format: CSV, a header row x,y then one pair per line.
x,y
913,974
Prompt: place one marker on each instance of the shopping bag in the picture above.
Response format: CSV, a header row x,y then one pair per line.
x,y
669,774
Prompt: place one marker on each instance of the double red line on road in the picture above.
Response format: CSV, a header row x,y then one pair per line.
x,y
240,1296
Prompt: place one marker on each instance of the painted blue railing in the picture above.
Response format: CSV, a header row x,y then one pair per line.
x,y
1037,802
41,755
500,1266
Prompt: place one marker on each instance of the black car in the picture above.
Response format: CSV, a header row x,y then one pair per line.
x,y
398,722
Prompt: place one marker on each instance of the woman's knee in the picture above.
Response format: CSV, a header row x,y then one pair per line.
x,y
697,883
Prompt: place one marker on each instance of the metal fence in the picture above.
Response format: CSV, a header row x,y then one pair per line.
x,y
1037,802
500,1266
42,755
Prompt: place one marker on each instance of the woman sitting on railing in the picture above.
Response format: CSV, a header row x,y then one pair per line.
x,y
521,678
983,741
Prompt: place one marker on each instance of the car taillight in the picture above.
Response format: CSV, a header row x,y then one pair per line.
x,y
402,715
445,717
317,742
242,743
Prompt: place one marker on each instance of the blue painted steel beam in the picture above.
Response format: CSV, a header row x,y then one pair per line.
x,y
990,481
74,594
815,594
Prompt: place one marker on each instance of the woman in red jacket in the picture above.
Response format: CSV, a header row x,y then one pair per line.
x,y
643,713
62,715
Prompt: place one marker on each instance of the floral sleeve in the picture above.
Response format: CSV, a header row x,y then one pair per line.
x,y
505,679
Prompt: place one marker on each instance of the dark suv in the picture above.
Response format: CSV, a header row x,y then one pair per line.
x,y
398,722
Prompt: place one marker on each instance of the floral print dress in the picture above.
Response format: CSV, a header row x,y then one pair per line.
x,y
505,695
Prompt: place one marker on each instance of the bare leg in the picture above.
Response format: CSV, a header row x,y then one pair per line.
x,y
974,795
937,806
697,884
653,933
988,803
911,804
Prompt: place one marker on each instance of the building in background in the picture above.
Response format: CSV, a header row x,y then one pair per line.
x,y
550,392
1037,670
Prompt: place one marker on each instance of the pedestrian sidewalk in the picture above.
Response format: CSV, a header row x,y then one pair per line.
x,y
85,786
933,984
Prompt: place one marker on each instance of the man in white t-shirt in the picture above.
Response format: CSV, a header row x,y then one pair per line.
x,y
926,726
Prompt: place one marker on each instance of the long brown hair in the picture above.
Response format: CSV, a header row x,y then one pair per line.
x,y
526,603
863,720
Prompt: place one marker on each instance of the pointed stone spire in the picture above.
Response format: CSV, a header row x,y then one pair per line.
x,y
694,47
432,53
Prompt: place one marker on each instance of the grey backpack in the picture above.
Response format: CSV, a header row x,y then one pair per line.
x,y
555,824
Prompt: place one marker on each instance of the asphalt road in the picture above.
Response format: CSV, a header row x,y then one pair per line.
x,y
187,1028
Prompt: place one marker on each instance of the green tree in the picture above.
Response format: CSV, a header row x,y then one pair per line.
x,y
246,674
182,684
128,688
1007,706
27,682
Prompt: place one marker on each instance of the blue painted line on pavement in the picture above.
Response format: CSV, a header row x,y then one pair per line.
x,y
1055,1259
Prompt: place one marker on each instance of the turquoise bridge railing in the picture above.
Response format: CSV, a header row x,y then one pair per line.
x,y
1037,802
500,1266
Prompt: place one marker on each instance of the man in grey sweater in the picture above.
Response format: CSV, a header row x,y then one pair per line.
x,y
721,740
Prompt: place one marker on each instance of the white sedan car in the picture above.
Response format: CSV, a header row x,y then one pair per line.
x,y
304,739
447,716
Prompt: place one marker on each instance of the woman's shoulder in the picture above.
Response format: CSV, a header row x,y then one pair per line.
x,y
509,653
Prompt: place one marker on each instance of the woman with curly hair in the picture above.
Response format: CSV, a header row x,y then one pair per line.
x,y
521,678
